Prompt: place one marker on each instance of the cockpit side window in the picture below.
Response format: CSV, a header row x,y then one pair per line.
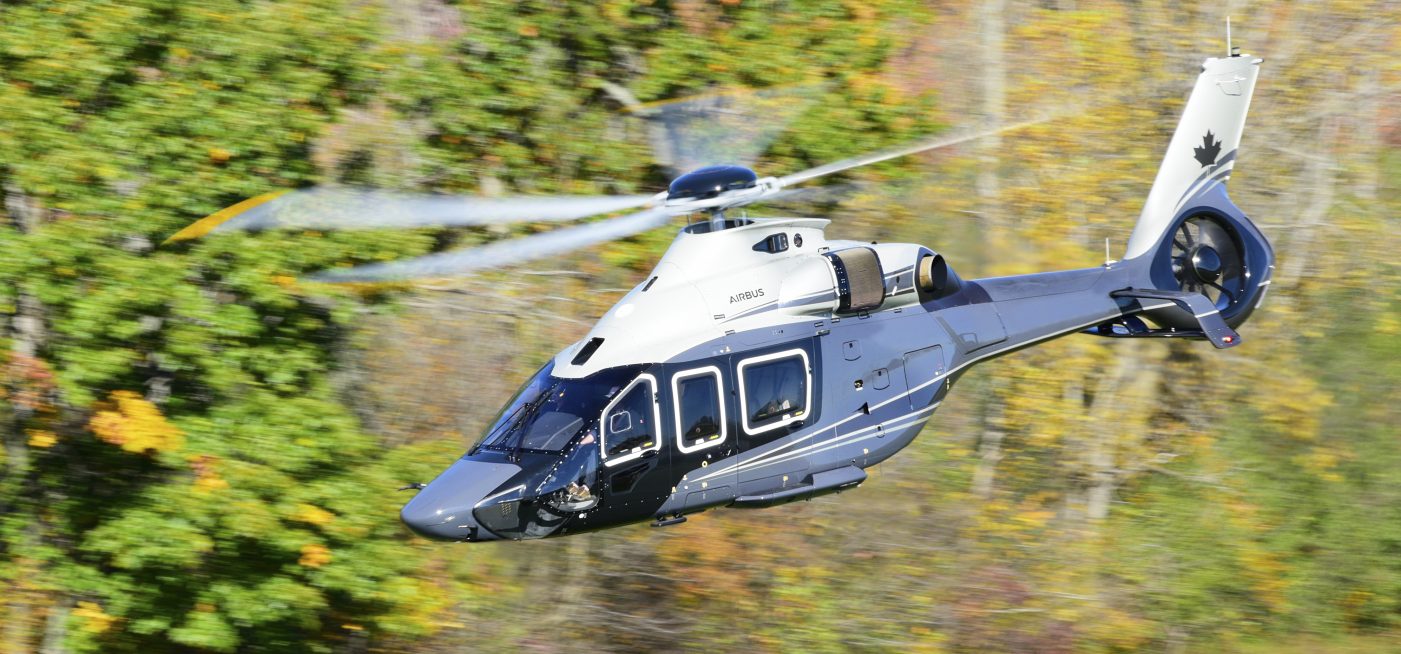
x,y
700,409
630,422
775,390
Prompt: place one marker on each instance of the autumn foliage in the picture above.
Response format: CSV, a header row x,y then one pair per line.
x,y
201,447
135,425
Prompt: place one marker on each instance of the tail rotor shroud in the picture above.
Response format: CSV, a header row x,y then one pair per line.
x,y
1207,259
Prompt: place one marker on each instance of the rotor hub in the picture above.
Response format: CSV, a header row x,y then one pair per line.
x,y
711,181
1205,263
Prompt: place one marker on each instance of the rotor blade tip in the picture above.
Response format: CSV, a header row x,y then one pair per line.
x,y
213,221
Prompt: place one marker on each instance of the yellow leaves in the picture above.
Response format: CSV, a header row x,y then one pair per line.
x,y
313,515
1263,568
207,479
1121,631
91,618
1034,519
1266,572
1201,441
1292,402
1355,605
210,483
219,155
314,555
1388,324
424,606
135,425
41,438
1321,461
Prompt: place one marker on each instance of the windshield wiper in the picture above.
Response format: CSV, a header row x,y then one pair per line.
x,y
523,423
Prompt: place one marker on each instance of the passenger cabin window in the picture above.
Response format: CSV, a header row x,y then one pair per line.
x,y
775,390
700,409
630,423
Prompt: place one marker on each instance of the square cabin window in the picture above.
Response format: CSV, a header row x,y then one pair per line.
x,y
775,390
700,409
630,423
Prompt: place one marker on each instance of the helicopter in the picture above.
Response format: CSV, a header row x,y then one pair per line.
x,y
761,363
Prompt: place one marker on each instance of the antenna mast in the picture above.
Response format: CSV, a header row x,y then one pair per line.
x,y
1228,36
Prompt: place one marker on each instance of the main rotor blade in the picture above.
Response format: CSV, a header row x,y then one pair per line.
x,y
727,127
902,151
804,194
344,208
504,253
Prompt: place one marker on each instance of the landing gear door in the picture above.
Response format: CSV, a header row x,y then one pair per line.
x,y
702,423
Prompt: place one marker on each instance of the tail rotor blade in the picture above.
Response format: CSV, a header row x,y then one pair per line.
x,y
504,253
342,208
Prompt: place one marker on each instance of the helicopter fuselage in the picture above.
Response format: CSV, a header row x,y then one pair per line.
x,y
757,365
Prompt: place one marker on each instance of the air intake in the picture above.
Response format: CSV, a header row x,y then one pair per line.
x,y
587,351
860,280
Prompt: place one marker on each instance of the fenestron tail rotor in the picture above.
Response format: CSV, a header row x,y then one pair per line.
x,y
1206,259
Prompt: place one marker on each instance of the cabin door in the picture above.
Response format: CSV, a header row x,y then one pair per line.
x,y
703,438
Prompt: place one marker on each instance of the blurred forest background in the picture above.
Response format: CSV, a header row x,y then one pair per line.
x,y
201,451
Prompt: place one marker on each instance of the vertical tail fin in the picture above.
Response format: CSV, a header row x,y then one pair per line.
x,y
1203,149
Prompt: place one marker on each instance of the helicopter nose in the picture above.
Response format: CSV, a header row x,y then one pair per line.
x,y
443,509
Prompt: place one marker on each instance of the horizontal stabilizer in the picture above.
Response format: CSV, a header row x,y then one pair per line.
x,y
1213,326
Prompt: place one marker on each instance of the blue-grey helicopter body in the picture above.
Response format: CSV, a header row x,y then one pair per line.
x,y
761,363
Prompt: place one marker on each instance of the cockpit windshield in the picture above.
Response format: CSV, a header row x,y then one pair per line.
x,y
549,413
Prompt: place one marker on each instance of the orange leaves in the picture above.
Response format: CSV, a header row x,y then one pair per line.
x,y
314,555
91,618
136,425
41,438
33,382
207,479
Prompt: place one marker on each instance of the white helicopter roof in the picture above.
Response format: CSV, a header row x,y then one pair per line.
x,y
707,284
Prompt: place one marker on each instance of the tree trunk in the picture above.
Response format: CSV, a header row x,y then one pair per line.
x,y
27,337
56,628
994,83
990,444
